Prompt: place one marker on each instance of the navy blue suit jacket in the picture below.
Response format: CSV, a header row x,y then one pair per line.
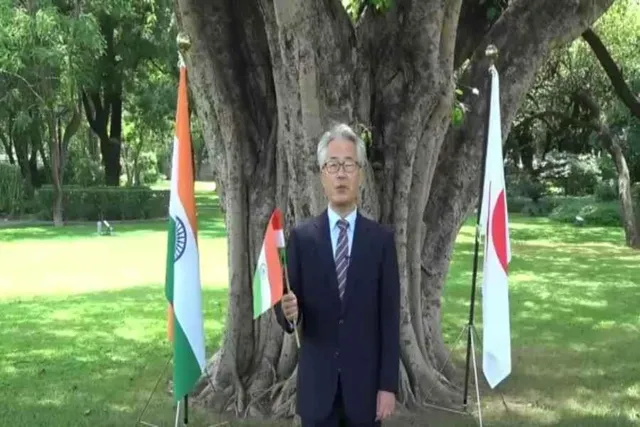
x,y
356,339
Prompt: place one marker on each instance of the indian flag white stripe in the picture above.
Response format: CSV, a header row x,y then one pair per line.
x,y
265,286
187,298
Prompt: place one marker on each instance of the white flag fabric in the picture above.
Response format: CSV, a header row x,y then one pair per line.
x,y
494,225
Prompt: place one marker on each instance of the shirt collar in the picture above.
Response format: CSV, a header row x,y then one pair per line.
x,y
334,217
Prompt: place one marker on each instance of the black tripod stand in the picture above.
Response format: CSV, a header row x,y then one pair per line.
x,y
469,329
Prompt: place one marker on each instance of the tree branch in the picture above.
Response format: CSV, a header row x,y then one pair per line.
x,y
524,34
472,27
613,72
563,117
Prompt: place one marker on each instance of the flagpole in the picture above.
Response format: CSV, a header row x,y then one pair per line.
x,y
491,52
184,43
177,424
186,410
295,324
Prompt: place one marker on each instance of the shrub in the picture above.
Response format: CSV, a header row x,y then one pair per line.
x,y
148,168
577,174
12,191
592,211
635,191
542,207
109,203
86,172
606,191
516,204
607,168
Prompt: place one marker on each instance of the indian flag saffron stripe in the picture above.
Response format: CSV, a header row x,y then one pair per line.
x,y
182,288
267,279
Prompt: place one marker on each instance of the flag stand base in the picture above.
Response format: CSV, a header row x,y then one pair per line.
x,y
472,335
177,424
470,329
139,420
178,406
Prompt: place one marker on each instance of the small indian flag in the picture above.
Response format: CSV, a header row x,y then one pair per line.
x,y
267,279
182,287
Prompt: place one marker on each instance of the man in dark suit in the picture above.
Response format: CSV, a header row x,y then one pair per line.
x,y
344,299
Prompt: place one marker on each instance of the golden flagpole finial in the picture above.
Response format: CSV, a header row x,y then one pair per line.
x,y
491,52
184,44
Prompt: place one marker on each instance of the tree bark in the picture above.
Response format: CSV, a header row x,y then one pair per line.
x,y
622,90
270,77
632,102
629,218
55,150
7,144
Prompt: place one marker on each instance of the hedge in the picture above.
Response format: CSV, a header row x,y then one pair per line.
x,y
593,212
108,203
566,209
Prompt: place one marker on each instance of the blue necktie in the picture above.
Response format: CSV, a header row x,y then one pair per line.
x,y
342,256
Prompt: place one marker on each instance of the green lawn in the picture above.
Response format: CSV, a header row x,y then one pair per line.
x,y
575,324
82,333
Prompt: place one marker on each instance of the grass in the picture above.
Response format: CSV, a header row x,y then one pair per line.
x,y
574,326
82,331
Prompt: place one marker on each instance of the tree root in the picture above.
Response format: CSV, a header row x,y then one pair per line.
x,y
279,399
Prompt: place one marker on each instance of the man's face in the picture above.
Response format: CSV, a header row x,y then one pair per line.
x,y
341,174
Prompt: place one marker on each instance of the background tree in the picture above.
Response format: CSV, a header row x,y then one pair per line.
x,y
269,77
43,49
135,34
56,70
579,123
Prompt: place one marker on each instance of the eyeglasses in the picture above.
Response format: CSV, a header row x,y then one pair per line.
x,y
333,166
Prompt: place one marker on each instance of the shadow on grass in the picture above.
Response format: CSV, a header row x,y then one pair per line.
x,y
574,325
100,352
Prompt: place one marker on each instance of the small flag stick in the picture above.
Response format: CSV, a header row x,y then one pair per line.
x,y
295,324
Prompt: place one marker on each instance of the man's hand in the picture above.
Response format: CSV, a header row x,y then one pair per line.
x,y
386,404
290,306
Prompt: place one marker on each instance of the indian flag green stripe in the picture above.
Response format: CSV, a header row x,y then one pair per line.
x,y
171,245
186,366
168,282
261,286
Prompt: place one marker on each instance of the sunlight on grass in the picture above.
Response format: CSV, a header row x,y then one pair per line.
x,y
573,320
83,333
89,350
89,263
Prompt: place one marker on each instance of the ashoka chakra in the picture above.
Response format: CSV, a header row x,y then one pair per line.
x,y
181,239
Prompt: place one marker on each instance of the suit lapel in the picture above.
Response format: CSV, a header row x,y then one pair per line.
x,y
358,257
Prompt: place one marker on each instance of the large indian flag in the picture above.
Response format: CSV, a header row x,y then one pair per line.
x,y
267,279
182,285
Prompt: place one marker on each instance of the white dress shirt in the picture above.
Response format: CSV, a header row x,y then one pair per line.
x,y
334,230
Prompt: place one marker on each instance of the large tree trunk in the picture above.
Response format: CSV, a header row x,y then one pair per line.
x,y
611,144
270,77
629,218
100,113
624,93
55,150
